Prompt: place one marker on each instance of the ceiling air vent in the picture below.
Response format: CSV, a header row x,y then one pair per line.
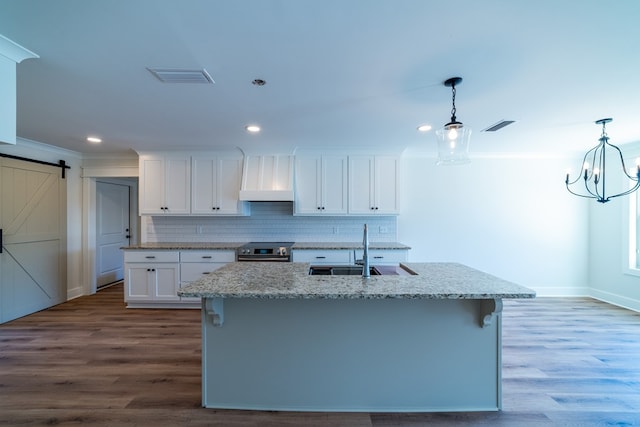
x,y
498,126
173,75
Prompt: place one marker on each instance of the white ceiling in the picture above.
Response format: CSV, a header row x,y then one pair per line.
x,y
357,73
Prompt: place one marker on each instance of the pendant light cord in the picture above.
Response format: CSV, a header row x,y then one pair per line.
x,y
453,102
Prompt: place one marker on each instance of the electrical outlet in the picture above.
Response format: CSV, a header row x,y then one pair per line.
x,y
336,230
383,230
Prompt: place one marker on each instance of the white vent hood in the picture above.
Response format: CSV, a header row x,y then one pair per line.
x,y
267,178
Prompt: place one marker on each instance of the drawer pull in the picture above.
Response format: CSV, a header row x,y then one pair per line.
x,y
207,272
206,256
320,257
150,257
378,257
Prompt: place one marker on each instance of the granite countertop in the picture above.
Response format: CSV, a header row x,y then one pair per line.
x,y
235,245
185,246
348,245
292,281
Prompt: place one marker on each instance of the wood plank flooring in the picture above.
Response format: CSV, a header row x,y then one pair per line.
x,y
90,361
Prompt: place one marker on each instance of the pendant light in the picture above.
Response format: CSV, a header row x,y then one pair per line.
x,y
453,137
594,168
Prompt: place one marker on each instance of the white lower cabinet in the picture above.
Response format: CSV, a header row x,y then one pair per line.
x,y
151,277
196,264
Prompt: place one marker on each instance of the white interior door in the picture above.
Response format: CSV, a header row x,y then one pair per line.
x,y
112,231
33,223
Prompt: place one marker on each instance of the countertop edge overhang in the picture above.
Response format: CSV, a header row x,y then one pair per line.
x,y
235,245
291,281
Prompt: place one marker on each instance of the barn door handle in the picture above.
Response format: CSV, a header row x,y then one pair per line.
x,y
0,240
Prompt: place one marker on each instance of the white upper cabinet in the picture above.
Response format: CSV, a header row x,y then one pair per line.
x,y
321,185
165,184
216,186
374,185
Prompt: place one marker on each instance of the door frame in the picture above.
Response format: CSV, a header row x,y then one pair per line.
x,y
123,183
90,176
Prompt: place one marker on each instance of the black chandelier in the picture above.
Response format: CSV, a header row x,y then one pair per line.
x,y
594,166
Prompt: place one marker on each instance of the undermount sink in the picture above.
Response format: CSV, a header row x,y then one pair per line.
x,y
340,270
356,270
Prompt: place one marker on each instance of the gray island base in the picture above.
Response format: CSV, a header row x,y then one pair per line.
x,y
275,338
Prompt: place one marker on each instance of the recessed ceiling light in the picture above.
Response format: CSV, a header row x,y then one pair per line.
x,y
424,128
252,128
94,139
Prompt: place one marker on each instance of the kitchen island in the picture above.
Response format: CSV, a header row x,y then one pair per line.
x,y
276,338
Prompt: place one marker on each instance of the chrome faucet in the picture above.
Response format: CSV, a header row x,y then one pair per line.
x,y
365,254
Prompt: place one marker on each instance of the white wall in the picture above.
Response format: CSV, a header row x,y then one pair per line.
x,y
511,217
609,250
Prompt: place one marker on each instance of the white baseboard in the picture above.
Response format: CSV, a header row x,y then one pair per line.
x,y
620,301
75,293
560,291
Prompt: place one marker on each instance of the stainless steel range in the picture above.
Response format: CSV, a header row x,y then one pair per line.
x,y
265,251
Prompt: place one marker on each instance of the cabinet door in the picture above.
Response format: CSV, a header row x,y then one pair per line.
x,y
229,178
216,186
165,185
386,183
178,185
308,186
204,198
165,282
334,185
136,282
361,180
151,185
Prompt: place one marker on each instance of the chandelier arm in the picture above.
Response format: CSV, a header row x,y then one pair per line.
x,y
580,195
624,167
581,174
600,178
589,173
629,191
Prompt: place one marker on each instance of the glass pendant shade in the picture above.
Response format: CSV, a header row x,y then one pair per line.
x,y
453,138
453,144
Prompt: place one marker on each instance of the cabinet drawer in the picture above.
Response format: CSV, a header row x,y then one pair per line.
x,y
387,256
151,256
207,256
195,270
322,256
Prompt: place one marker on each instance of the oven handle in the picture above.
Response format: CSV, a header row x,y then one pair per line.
x,y
277,259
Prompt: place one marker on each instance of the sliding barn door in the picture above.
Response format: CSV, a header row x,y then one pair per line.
x,y
33,223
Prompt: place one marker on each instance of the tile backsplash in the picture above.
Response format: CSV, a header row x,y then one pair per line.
x,y
269,221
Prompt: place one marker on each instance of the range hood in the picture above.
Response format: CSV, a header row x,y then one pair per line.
x,y
267,178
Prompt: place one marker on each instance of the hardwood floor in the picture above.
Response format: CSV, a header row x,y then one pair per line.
x,y
90,361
